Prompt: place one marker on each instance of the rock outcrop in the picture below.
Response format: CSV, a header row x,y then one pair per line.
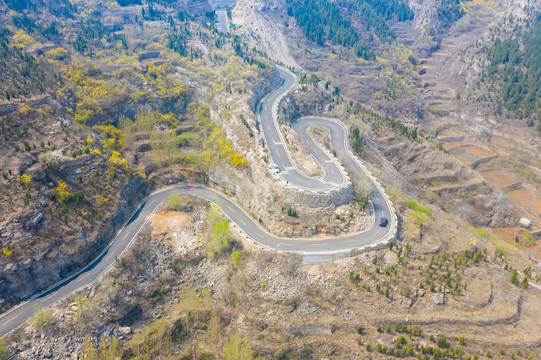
x,y
263,88
24,278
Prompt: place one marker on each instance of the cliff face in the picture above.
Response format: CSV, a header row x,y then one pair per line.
x,y
261,89
53,254
299,104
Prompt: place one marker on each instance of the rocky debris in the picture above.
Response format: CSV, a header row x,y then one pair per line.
x,y
440,298
171,178
125,330
312,330
36,221
25,162
12,232
143,148
7,108
257,22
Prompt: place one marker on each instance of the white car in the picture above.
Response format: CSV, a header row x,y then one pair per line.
x,y
276,169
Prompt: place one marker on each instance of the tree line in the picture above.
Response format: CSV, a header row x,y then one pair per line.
x,y
321,20
374,14
516,63
59,8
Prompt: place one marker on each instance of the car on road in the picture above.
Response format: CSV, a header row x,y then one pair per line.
x,y
383,222
276,169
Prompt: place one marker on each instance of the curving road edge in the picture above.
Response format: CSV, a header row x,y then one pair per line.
x,y
315,248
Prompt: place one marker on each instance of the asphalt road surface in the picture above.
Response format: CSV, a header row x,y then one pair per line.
x,y
278,148
314,249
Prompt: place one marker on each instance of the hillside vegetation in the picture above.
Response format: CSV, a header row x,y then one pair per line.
x,y
515,64
90,116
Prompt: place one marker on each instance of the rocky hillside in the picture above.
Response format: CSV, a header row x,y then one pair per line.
x,y
100,120
444,290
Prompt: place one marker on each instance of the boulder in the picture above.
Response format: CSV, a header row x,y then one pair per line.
x,y
525,222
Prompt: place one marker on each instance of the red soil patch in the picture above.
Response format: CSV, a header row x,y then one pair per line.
x,y
528,200
507,234
479,152
499,178
164,220
454,144
169,222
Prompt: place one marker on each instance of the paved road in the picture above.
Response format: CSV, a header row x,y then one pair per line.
x,y
279,154
316,248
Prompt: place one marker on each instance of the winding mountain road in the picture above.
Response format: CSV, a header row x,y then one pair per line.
x,y
320,248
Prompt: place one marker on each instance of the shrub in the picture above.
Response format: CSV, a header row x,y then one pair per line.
x,y
291,212
236,257
237,160
52,159
514,278
42,318
177,203
215,215
62,195
442,342
238,349
84,315
3,350
187,139
527,238
7,251
219,239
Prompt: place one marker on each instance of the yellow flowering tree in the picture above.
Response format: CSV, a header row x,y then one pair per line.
x,y
62,194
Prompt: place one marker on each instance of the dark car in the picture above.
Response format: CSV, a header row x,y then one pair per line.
x,y
383,222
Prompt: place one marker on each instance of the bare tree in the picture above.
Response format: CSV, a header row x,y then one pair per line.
x,y
362,186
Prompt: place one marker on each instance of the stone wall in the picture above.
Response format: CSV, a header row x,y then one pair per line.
x,y
297,198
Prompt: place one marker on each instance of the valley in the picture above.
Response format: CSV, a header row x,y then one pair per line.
x,y
305,179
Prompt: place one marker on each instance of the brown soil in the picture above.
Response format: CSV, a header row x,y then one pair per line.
x,y
479,152
167,221
499,178
171,228
508,234
526,198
